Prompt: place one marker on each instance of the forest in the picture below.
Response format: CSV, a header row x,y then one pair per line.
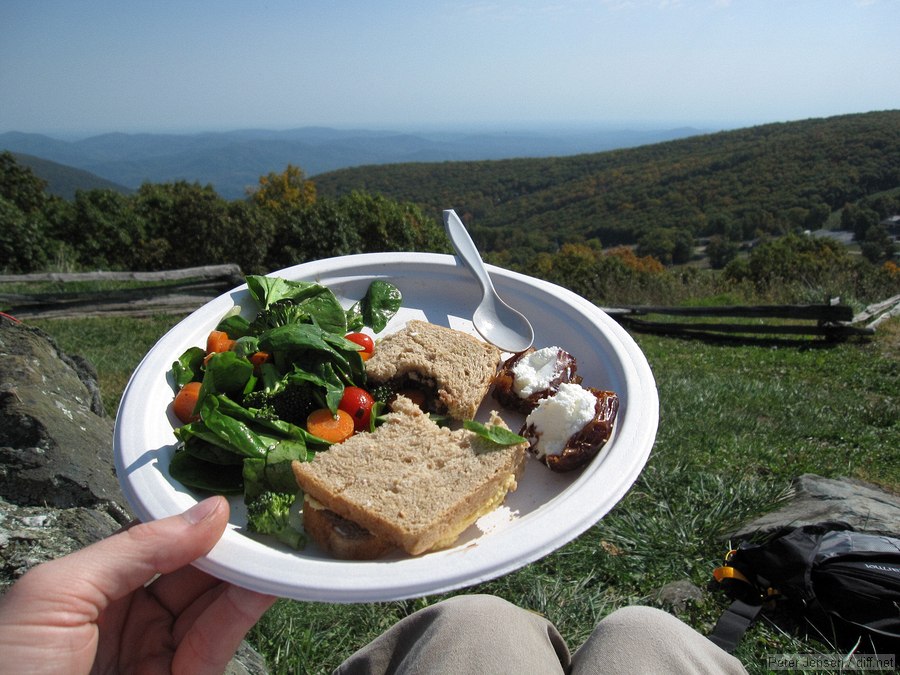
x,y
727,213
738,186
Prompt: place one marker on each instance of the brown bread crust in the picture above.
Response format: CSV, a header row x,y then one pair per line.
x,y
411,482
457,367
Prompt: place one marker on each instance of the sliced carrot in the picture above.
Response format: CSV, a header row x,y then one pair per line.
x,y
329,427
365,355
218,341
186,402
258,358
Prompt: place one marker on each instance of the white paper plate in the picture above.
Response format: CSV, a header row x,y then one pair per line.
x,y
547,511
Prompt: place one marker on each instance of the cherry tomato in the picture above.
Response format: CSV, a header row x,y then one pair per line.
x,y
358,403
364,341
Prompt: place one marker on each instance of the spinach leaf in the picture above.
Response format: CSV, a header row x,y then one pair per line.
x,y
355,318
233,433
274,430
235,325
334,387
272,472
380,304
209,452
494,433
225,372
188,367
266,290
199,475
246,346
294,338
376,308
318,301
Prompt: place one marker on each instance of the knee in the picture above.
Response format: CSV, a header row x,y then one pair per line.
x,y
479,609
634,616
640,620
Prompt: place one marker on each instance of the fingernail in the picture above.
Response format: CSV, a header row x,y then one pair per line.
x,y
201,510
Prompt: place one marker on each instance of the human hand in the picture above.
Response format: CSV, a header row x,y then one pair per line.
x,y
94,609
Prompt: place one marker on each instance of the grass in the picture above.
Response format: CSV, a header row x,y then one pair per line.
x,y
738,423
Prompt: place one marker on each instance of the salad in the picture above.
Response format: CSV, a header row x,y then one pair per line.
x,y
275,388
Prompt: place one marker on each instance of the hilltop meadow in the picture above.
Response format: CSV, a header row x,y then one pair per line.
x,y
722,219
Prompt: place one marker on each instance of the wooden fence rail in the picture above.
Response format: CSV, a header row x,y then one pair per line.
x,y
184,290
175,292
831,321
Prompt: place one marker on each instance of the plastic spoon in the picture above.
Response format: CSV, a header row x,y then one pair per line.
x,y
495,321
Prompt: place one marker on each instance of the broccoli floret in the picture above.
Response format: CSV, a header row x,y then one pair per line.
x,y
269,513
383,392
262,402
279,313
291,403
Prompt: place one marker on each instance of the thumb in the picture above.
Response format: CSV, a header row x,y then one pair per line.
x,y
113,567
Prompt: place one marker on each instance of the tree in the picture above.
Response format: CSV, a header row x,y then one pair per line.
x,y
284,191
102,229
252,233
814,262
185,225
858,219
20,186
22,239
721,251
671,246
303,233
877,246
387,225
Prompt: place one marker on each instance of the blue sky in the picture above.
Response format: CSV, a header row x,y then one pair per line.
x,y
83,67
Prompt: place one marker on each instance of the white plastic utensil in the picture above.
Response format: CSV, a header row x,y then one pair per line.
x,y
495,321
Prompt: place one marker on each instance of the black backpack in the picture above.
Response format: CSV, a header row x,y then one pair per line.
x,y
841,585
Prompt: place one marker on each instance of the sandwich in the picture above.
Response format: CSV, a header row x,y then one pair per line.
x,y
450,371
409,485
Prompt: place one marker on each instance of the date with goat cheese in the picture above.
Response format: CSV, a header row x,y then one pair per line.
x,y
530,376
567,430
566,424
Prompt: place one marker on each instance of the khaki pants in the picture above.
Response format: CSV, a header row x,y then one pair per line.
x,y
487,635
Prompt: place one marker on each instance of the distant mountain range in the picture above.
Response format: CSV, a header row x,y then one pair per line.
x,y
233,161
63,180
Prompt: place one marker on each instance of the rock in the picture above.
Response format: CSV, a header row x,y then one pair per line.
x,y
30,535
862,506
677,595
55,441
58,488
246,661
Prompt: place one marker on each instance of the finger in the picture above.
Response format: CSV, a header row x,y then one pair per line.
x,y
111,568
215,634
179,589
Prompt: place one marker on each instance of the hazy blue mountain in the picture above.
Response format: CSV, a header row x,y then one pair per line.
x,y
233,161
63,180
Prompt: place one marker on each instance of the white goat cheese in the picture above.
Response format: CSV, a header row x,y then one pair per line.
x,y
558,417
535,371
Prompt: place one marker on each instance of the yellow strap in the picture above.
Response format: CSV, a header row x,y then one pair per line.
x,y
728,572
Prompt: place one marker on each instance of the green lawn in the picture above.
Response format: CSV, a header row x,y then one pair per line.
x,y
738,422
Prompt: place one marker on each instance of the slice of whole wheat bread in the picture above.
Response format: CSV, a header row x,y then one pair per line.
x,y
410,481
459,367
